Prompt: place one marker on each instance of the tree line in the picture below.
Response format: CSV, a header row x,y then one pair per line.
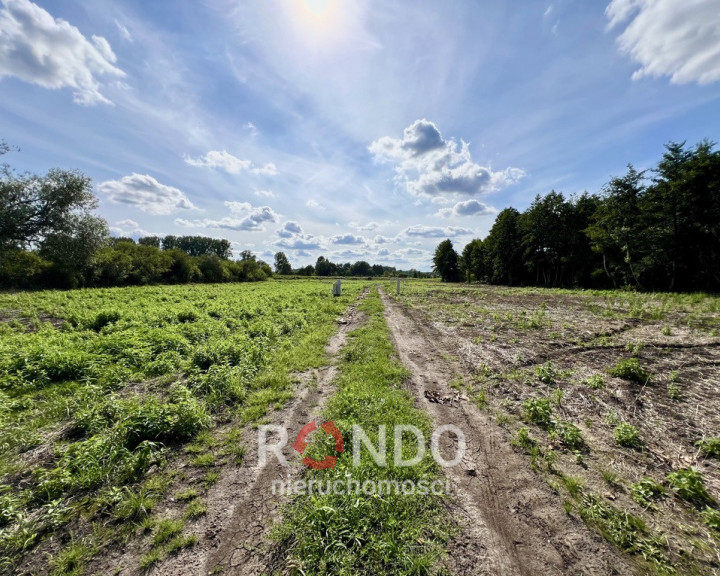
x,y
657,229
324,267
50,238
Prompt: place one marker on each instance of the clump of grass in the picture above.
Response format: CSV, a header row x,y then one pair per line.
x,y
573,485
151,558
630,369
166,529
674,391
72,558
611,478
688,484
195,509
187,494
623,529
538,411
709,447
522,439
646,491
206,460
627,435
134,505
666,330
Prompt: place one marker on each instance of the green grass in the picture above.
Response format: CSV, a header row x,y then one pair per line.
x,y
356,534
135,375
709,447
646,491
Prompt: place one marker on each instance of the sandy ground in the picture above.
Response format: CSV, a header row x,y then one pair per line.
x,y
511,521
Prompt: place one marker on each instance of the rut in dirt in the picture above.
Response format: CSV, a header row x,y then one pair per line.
x,y
511,522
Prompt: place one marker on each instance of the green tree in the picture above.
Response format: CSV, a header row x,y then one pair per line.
x,y
503,249
445,262
472,261
282,264
33,207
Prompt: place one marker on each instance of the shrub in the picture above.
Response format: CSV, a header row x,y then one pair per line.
x,y
596,382
628,436
711,518
630,369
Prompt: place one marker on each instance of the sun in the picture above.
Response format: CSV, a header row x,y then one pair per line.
x,y
318,7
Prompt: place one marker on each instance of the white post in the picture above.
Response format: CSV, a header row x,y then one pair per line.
x,y
398,286
337,287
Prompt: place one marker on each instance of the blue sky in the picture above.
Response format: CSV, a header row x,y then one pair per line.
x,y
349,128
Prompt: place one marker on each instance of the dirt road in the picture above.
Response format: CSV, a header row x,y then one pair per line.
x,y
512,522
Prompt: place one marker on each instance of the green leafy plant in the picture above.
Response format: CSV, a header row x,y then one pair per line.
x,y
646,491
628,436
688,484
538,411
630,369
709,447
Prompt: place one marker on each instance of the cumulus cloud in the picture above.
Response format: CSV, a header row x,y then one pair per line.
x,y
49,52
291,237
369,227
312,203
383,239
127,223
264,193
223,160
467,208
347,239
421,231
431,166
670,38
145,193
244,218
289,230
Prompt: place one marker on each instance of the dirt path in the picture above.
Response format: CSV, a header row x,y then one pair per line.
x,y
511,521
241,508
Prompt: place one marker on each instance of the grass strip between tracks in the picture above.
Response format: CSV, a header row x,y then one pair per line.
x,y
393,533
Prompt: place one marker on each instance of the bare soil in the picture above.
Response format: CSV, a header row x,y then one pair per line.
x,y
492,341
511,522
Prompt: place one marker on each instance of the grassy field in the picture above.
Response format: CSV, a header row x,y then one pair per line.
x,y
614,397
102,390
117,405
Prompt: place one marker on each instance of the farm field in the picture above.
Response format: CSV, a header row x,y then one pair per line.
x,y
613,398
114,400
129,417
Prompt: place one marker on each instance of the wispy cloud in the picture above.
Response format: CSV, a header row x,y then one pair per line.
x,y
223,160
668,38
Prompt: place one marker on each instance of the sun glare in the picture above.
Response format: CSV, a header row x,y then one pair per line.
x,y
318,7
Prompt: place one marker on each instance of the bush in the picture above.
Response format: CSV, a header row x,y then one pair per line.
x,y
630,369
21,269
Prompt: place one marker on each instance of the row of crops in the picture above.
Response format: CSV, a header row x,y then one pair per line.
x,y
99,386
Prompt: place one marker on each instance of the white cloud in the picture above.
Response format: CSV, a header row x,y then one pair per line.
x,y
124,32
146,194
435,231
312,203
431,166
369,227
467,208
347,239
127,223
383,240
670,38
548,11
230,164
264,193
289,229
49,52
245,217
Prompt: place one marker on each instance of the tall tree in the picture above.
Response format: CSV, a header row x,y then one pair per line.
x,y
445,262
503,249
282,264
